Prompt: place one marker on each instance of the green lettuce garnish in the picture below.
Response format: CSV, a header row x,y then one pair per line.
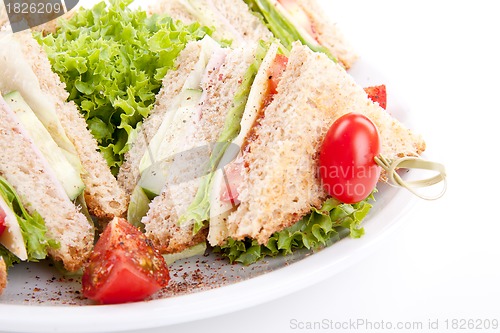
x,y
322,227
112,60
32,226
282,28
199,209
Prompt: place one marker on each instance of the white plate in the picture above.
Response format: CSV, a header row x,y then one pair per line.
x,y
202,286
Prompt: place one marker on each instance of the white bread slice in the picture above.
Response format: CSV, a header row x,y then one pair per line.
x,y
105,198
3,275
280,184
233,14
328,33
172,83
220,210
161,222
24,167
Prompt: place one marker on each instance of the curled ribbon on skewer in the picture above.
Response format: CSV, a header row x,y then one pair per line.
x,y
411,162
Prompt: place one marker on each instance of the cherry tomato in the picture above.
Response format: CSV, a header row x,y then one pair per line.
x,y
124,266
2,221
276,72
378,94
347,167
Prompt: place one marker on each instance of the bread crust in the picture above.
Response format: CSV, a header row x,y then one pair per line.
x,y
104,197
235,13
328,33
172,83
162,220
3,275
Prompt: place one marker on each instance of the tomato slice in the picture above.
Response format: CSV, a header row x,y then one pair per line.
x,y
2,221
378,94
276,72
232,180
124,266
347,166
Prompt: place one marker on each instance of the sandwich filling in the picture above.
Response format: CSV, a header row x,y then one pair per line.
x,y
233,171
36,114
31,121
289,23
22,235
229,174
175,141
238,120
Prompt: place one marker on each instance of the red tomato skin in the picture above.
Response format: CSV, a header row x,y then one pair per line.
x,y
124,266
378,94
232,180
347,167
123,285
276,72
2,221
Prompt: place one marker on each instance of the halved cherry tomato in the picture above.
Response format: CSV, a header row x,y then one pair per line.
x,y
378,94
347,167
124,266
2,221
276,72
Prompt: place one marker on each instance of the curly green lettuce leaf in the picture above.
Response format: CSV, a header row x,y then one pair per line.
x,y
9,258
199,209
32,226
112,60
282,28
322,227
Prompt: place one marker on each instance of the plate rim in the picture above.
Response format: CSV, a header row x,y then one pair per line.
x,y
231,298
200,305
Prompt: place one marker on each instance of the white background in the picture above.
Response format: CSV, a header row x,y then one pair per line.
x,y
443,262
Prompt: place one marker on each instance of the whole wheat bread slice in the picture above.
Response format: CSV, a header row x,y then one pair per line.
x,y
172,83
233,14
25,168
3,14
3,275
162,220
328,33
105,198
280,183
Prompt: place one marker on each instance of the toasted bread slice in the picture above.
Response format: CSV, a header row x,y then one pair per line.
x,y
105,198
327,32
172,83
162,220
280,182
25,168
232,19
